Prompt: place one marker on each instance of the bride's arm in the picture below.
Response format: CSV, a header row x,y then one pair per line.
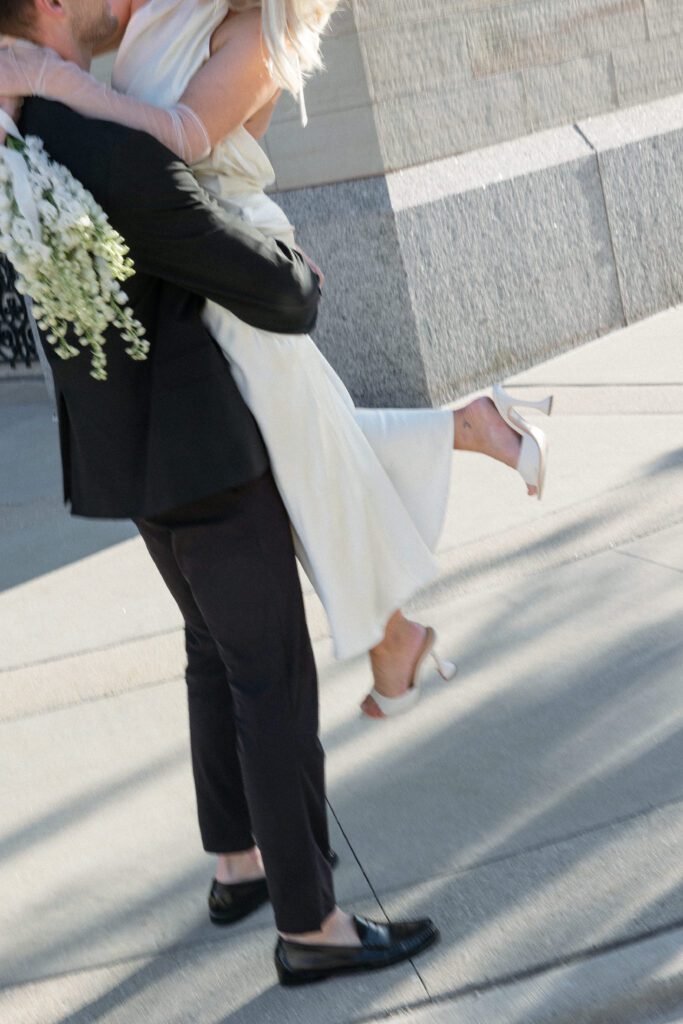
x,y
235,85
227,91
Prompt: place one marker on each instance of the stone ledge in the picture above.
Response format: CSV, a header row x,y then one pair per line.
x,y
634,124
451,274
493,165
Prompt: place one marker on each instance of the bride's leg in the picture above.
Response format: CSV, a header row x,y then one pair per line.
x,y
393,660
479,427
414,447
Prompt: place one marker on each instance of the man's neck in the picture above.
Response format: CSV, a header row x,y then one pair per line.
x,y
69,49
80,56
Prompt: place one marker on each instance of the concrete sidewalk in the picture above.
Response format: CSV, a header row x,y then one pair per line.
x,y
534,807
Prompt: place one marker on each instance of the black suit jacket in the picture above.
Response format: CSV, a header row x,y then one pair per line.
x,y
172,429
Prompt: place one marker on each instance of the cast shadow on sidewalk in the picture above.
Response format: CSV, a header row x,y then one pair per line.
x,y
524,753
38,535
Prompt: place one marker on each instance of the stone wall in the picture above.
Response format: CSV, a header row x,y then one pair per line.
x,y
409,81
448,276
470,220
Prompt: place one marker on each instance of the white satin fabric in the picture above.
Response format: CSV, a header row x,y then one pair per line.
x,y
365,489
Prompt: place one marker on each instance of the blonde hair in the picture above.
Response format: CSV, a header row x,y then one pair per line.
x,y
291,32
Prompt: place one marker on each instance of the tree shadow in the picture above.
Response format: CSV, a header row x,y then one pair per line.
x,y
554,747
595,740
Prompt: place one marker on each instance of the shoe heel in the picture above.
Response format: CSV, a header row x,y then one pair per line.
x,y
505,402
544,405
289,979
446,669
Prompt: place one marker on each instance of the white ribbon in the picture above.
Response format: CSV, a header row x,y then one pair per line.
x,y
21,187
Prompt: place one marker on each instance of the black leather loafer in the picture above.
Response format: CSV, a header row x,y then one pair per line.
x,y
381,946
230,902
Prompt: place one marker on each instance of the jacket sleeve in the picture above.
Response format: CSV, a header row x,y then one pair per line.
x,y
177,232
174,228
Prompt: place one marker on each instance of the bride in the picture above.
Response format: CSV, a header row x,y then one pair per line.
x,y
365,489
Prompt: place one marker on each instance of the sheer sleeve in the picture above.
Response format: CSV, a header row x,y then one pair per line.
x,y
28,70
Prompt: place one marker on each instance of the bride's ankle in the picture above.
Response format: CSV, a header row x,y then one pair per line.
x,y
470,422
399,633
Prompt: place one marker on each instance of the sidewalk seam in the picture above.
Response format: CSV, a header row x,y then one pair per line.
x,y
623,819
585,955
372,888
648,561
551,518
615,261
80,701
89,650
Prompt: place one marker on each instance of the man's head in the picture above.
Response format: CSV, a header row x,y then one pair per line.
x,y
71,27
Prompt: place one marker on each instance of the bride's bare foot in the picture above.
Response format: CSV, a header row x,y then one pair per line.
x,y
479,427
394,659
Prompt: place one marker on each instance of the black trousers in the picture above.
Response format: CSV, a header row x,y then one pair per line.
x,y
252,690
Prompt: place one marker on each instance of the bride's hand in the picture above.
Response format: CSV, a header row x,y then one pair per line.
x,y
11,105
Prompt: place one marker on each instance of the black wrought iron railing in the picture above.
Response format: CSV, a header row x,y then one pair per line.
x,y
17,343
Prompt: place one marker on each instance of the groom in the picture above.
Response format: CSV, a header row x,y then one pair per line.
x,y
169,443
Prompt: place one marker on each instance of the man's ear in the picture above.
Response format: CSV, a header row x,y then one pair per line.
x,y
50,9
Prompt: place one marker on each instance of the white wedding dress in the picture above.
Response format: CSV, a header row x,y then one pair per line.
x,y
366,490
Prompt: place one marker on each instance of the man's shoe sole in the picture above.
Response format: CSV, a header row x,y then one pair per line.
x,y
289,978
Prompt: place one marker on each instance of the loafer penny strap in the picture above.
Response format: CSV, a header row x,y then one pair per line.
x,y
372,934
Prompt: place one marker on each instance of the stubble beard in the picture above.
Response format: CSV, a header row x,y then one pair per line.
x,y
93,34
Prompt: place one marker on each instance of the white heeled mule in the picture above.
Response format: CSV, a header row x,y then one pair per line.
x,y
533,455
392,706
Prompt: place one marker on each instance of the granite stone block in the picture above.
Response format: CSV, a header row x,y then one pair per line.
x,y
462,269
507,275
420,128
636,124
367,327
648,70
417,186
413,81
405,57
640,157
523,35
443,278
642,186
368,13
664,17
560,93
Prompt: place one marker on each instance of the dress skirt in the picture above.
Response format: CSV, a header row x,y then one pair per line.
x,y
366,489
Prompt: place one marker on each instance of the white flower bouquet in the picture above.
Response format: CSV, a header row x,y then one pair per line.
x,y
66,255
